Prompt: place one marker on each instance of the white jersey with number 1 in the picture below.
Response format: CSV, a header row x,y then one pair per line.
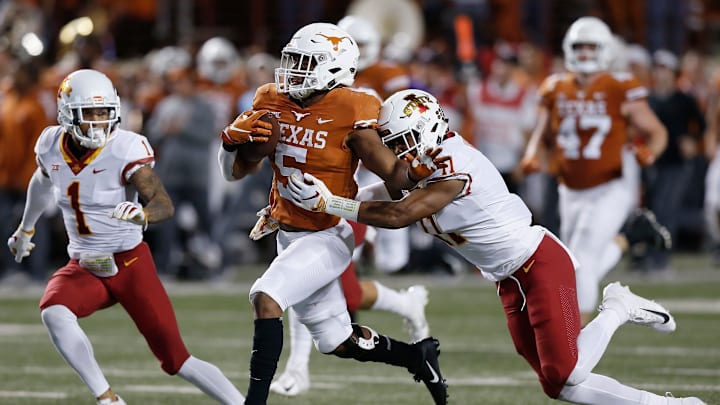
x,y
88,189
486,224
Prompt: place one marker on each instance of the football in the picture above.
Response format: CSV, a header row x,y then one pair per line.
x,y
256,151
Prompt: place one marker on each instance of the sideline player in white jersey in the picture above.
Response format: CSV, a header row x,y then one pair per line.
x,y
468,206
97,172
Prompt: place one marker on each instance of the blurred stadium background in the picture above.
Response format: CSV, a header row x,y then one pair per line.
x,y
151,47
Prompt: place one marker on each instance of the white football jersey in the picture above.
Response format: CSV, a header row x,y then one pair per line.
x,y
89,188
486,224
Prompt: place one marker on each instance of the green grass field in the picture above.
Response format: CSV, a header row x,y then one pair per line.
x,y
477,358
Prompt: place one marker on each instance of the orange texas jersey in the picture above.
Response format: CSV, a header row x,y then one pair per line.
x,y
588,126
312,140
383,77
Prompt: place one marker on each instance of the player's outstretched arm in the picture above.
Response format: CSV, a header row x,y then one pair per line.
x,y
311,194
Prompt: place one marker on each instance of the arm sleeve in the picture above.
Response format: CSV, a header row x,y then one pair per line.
x,y
38,194
225,161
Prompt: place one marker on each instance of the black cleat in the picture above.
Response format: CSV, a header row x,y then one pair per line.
x,y
428,370
644,227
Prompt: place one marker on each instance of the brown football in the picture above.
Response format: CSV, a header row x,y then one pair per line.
x,y
256,151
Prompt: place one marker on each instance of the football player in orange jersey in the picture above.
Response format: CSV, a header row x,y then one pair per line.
x,y
583,117
326,128
391,247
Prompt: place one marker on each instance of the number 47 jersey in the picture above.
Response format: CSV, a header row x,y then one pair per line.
x,y
88,188
588,126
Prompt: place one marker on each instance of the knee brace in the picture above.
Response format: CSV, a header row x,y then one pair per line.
x,y
357,346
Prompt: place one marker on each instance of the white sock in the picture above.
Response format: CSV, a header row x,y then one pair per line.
x,y
598,389
390,300
74,346
210,380
300,344
592,342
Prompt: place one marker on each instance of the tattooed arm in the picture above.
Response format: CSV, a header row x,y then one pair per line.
x,y
157,203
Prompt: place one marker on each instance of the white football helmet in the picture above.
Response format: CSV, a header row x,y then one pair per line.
x,y
217,60
593,31
367,38
161,61
411,121
87,88
320,56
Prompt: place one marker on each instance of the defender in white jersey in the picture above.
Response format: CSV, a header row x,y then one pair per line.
x,y
98,173
468,206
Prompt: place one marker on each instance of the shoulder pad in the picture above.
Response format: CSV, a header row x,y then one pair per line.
x,y
48,137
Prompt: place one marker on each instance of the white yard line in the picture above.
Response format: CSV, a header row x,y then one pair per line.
x,y
33,394
21,329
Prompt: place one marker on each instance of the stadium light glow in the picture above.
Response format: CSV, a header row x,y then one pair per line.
x,y
32,44
80,26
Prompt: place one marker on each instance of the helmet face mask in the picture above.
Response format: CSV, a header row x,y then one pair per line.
x,y
319,56
588,46
81,97
412,121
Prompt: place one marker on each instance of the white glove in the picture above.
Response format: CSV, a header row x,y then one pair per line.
x,y
130,212
265,225
20,245
311,194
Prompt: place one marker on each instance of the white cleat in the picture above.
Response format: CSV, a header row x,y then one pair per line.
x,y
291,383
641,311
415,322
108,401
683,401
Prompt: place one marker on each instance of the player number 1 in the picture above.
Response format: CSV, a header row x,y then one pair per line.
x,y
73,191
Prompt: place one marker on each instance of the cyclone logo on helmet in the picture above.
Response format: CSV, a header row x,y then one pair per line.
x,y
416,103
64,88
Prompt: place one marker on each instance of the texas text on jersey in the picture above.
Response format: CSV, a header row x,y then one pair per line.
x,y
315,137
589,123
